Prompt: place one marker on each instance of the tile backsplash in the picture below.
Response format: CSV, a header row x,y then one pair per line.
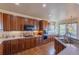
x,y
15,34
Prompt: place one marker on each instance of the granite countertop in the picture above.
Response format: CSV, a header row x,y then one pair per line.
x,y
58,39
14,38
69,50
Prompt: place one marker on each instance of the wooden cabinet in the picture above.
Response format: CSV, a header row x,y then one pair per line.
x,y
22,19
38,41
6,22
7,47
30,21
1,49
43,24
33,42
58,46
26,21
27,43
21,44
17,23
10,47
20,23
10,22
13,23
33,22
14,46
50,38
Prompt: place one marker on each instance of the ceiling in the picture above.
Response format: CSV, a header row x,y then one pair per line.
x,y
52,11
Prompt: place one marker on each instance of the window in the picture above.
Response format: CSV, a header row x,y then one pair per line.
x,y
62,30
51,29
56,30
72,30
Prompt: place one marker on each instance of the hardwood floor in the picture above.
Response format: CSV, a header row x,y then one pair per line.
x,y
47,49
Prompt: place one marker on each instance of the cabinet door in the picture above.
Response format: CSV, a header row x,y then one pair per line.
x,y
7,47
30,21
33,42
14,46
58,46
43,24
21,46
27,43
38,41
13,23
1,49
6,22
20,23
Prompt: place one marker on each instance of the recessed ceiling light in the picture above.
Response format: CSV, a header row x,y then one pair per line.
x,y
17,3
50,15
44,5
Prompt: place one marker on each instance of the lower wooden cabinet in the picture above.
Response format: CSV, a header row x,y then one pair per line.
x,y
21,45
38,41
7,47
27,43
14,46
33,42
1,49
10,47
58,46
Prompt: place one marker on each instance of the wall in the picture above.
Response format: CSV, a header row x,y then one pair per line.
x,y
18,14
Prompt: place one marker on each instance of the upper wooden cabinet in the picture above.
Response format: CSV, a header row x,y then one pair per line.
x,y
13,23
6,22
17,23
43,24
10,22
33,22
30,21
20,23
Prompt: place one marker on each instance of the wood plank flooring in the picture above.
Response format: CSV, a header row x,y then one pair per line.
x,y
46,49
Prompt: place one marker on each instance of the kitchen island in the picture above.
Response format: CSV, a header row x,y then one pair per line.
x,y
63,48
10,46
59,45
